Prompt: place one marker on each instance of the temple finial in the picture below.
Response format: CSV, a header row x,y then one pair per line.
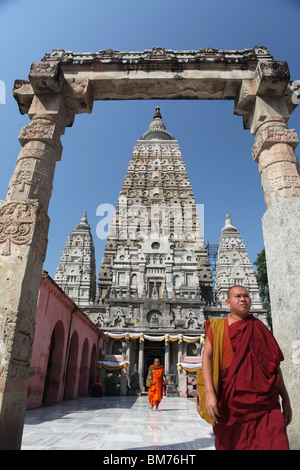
x,y
84,218
228,224
84,222
157,113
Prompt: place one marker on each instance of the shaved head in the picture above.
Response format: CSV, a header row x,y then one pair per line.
x,y
232,287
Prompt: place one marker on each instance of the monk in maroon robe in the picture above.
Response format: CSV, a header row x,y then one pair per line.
x,y
246,410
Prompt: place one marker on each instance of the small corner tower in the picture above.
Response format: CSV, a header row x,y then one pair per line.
x,y
76,272
234,266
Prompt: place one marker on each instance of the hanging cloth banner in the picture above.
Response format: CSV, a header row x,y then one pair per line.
x,y
189,367
124,335
141,336
113,365
192,339
155,338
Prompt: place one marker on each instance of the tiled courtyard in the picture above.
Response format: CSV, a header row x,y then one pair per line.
x,y
117,423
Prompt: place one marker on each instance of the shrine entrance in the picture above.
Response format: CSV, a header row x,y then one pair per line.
x,y
152,349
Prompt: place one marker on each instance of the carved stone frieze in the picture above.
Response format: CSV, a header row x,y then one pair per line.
x,y
273,135
278,165
68,58
41,130
18,226
34,173
45,77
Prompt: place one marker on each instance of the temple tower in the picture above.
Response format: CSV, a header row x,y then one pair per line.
x,y
234,266
155,279
76,272
155,246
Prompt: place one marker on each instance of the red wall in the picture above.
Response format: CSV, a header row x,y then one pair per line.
x,y
66,348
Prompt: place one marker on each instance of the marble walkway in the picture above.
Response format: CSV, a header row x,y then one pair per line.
x,y
117,423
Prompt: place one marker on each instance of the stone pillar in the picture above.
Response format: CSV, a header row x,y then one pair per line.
x,y
23,240
123,382
182,383
128,350
141,364
167,358
179,355
279,171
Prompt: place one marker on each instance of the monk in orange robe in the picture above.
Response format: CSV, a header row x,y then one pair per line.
x,y
155,377
246,410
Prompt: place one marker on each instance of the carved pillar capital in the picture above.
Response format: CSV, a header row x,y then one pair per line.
x,y
271,135
46,76
273,149
40,139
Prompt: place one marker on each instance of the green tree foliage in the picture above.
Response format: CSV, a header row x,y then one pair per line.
x,y
262,280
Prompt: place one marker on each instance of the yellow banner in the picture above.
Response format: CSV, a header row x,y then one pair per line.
x,y
189,367
166,337
109,365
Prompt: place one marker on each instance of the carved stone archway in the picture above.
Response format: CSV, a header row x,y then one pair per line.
x,y
64,84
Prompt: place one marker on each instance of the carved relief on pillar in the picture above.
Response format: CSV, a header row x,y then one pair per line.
x,y
42,130
46,77
271,135
278,165
18,226
33,175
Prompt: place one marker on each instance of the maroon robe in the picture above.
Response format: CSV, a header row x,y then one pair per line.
x,y
251,417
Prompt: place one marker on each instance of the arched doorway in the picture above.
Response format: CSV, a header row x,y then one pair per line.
x,y
191,349
55,365
84,370
92,377
71,367
116,348
152,350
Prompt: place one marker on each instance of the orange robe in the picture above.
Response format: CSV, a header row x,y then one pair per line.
x,y
251,418
156,390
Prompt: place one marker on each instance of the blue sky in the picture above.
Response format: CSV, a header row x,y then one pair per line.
x,y
97,149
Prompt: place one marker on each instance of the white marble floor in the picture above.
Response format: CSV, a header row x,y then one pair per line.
x,y
117,423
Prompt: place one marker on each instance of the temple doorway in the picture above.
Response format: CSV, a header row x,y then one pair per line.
x,y
55,364
152,350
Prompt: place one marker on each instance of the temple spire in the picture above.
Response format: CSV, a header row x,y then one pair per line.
x,y
84,222
234,266
157,113
228,224
76,272
157,129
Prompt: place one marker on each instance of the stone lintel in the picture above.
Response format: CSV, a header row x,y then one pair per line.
x,y
290,97
155,73
272,78
159,57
